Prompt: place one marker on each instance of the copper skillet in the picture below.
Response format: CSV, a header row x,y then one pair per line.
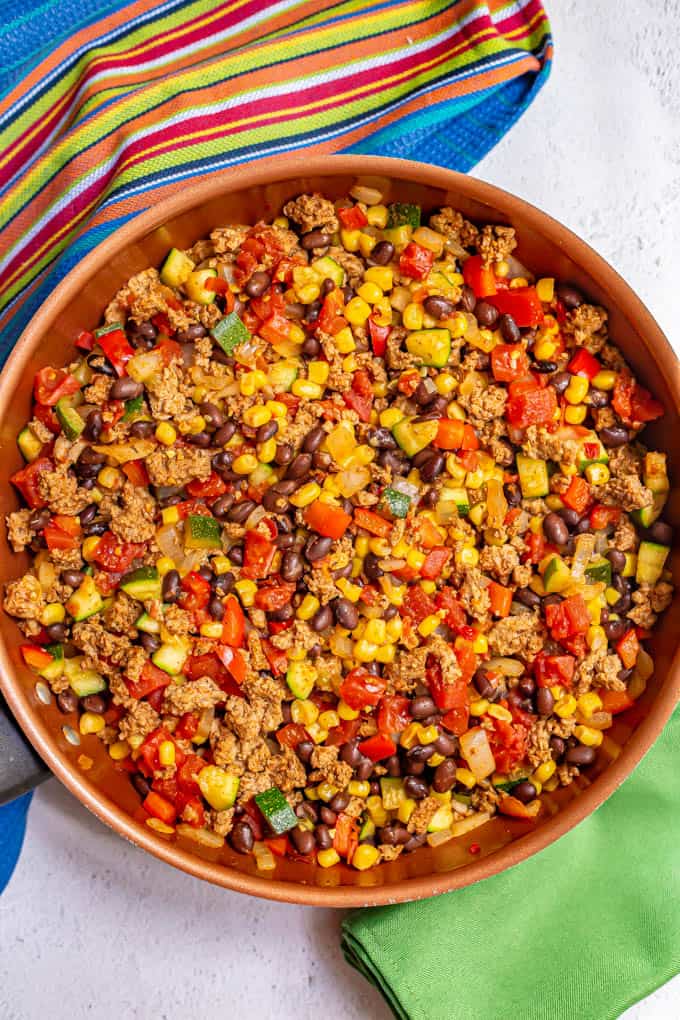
x,y
246,194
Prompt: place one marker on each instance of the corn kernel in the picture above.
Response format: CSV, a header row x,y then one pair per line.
x,y
306,494
90,547
257,415
468,556
119,749
544,350
597,474
357,311
381,276
166,753
377,812
479,707
366,243
365,651
304,712
466,778
553,502
90,722
588,736
370,292
545,289
415,558
394,629
199,394
211,629
544,771
349,590
54,612
376,631
317,372
365,856
281,221
390,417
501,268
307,389
266,451
170,515
110,478
412,316
245,464
377,216
344,341
480,645
308,607
427,734
575,415
604,380
247,384
566,706
165,433
346,712
220,564
445,383
326,791
296,335
498,712
278,409
246,592
386,654
327,858
519,281
429,625
589,703
363,455
308,293
577,389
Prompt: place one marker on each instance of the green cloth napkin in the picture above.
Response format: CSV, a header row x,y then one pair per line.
x,y
582,930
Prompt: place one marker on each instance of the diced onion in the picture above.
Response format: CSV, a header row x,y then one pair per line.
x,y
437,838
508,667
429,239
496,503
400,297
370,196
469,823
255,517
408,488
599,720
353,480
583,550
205,722
202,836
391,563
517,269
264,858
475,748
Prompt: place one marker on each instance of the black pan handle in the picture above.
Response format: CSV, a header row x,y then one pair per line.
x,y
21,769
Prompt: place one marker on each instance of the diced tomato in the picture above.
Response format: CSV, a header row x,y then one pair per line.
x,y
435,561
188,771
255,819
190,810
481,279
115,555
533,407
206,664
62,532
234,662
522,303
448,697
275,328
456,617
394,714
409,382
633,403
577,496
327,520
457,719
583,363
615,701
331,319
26,481
195,592
233,623
360,397
378,335
550,670
416,261
276,657
466,656
151,679
429,533
135,471
291,735
378,747
344,732
361,689
116,348
370,521
500,598
601,516
85,340
274,595
46,415
51,384
148,751
159,807
187,726
277,626
508,741
208,490
535,548
570,617
258,555
417,604
628,648
508,361
449,434
352,217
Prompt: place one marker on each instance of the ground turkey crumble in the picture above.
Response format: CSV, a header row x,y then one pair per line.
x,y
312,212
178,465
133,519
522,635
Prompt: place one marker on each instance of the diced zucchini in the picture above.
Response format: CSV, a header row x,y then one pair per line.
x,y
557,575
54,668
655,474
651,561
533,476
195,287
414,436
148,624
142,584
367,829
392,792
394,503
202,532
86,601
401,214
286,348
329,269
585,458
110,327
171,656
630,568
398,236
282,374
276,809
133,407
300,678
218,787
29,444
87,681
459,498
176,268
263,474
229,332
69,419
648,514
433,346
599,570
508,784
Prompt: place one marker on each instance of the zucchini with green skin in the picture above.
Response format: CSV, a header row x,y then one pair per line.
x,y
229,332
177,268
584,459
367,830
55,668
648,514
133,407
400,214
172,655
460,499
655,473
556,575
29,444
300,678
69,419
392,792
432,346
218,787
110,327
393,503
85,601
147,624
600,570
413,436
329,269
87,681
142,584
533,476
282,374
651,562
196,289
277,811
202,532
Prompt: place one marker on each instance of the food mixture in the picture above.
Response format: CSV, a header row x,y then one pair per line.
x,y
343,537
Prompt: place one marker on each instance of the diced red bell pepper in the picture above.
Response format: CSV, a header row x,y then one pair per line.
x,y
585,364
615,702
62,532
115,555
435,561
291,735
191,810
508,361
522,303
456,617
150,679
449,434
331,319
550,670
51,384
233,661
532,407
258,555
508,743
233,623
378,335
187,726
352,217
46,415
500,598
275,328
26,481
274,595
416,261
344,732
466,656
632,402
195,592
116,348
327,520
601,516
370,521
394,713
159,807
577,496
276,657
209,665
35,656
452,699
361,689
417,604
346,837
188,772
628,648
208,490
135,471
428,532
85,340
378,747
481,279
535,548
360,397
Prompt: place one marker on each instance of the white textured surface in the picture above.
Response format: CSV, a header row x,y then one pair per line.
x,y
92,926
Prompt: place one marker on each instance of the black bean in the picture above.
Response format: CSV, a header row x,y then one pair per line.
x,y
617,560
242,838
467,298
555,530
346,613
311,348
382,439
415,787
509,329
266,431
101,365
614,629
224,434
327,815
527,597
423,394
420,752
661,532
284,454
526,687
339,802
292,567
258,283
94,703
544,701
222,584
364,769
433,467
524,791
318,547
201,439
382,253
438,307
170,589
322,619
307,810
74,578
557,747
569,516
67,701
315,239
205,572
350,754
486,314
94,425
141,785
213,416
216,608
598,398
512,493
623,605
193,332
544,367
304,750
372,569
416,840
581,755
222,506
150,643
560,381
422,706
57,632
582,527
444,776
125,389
95,528
240,513
90,456
326,287
569,296
446,744
299,466
324,840
614,436
142,429
303,840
